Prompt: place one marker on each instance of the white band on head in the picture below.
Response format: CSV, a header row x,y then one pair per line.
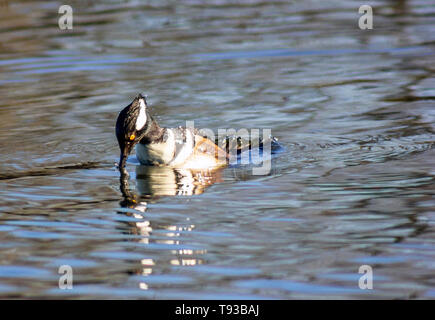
x,y
142,117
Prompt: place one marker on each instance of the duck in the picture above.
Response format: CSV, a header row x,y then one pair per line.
x,y
181,147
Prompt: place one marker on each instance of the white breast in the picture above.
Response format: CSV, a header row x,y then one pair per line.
x,y
186,149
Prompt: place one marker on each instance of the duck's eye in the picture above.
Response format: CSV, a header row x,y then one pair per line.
x,y
132,137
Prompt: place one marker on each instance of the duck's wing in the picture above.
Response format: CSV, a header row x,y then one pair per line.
x,y
242,144
205,146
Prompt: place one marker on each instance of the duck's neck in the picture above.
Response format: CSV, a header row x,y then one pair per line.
x,y
153,132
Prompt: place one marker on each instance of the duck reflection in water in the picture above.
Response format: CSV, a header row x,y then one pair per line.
x,y
153,182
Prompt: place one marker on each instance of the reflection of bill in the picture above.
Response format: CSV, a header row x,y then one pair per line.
x,y
152,181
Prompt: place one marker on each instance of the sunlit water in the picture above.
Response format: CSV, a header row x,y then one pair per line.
x,y
353,110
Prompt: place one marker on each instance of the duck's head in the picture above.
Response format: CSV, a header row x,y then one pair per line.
x,y
132,125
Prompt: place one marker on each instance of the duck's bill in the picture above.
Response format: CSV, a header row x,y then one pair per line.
x,y
122,161
123,157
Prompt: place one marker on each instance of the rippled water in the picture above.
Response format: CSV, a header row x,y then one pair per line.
x,y
353,110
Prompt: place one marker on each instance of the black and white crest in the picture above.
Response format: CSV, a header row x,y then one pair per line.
x,y
142,117
132,118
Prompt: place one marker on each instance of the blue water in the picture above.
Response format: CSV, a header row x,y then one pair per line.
x,y
352,185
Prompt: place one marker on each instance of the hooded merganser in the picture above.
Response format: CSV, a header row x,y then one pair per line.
x,y
175,147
